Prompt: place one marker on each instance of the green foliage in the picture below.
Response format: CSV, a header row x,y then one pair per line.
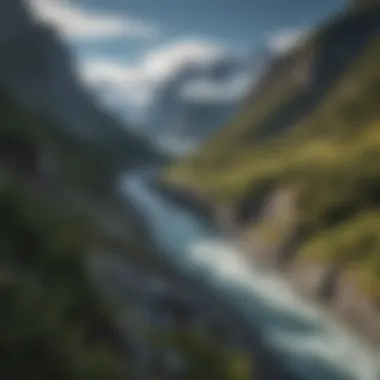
x,y
53,326
206,357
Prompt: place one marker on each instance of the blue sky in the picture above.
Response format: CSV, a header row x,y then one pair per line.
x,y
131,46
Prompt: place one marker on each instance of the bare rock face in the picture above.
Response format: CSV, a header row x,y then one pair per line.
x,y
308,276
357,309
14,18
37,68
346,300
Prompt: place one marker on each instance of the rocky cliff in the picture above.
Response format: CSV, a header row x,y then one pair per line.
x,y
37,68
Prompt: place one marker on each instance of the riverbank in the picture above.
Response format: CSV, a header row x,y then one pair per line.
x,y
221,314
185,199
311,343
334,292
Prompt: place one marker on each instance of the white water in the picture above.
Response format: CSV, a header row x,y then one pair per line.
x,y
311,342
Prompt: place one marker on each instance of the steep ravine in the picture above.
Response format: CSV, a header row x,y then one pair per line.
x,y
327,283
312,343
157,302
323,282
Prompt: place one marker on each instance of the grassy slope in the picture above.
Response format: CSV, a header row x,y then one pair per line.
x,y
332,156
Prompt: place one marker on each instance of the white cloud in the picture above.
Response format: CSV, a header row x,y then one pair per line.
x,y
285,40
100,70
120,81
165,60
137,84
75,21
211,91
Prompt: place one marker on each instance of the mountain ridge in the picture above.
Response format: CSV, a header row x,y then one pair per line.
x,y
39,71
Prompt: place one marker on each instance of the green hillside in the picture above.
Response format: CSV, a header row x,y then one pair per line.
x,y
329,152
